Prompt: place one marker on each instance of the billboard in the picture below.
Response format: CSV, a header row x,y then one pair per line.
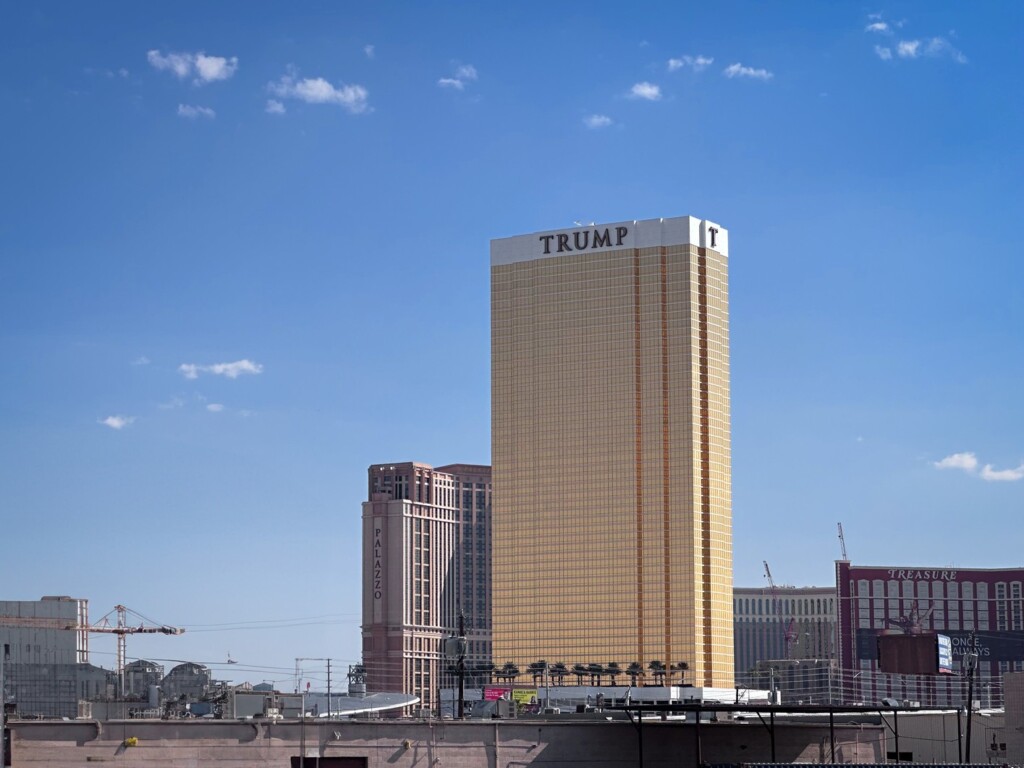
x,y
921,654
945,654
523,697
993,645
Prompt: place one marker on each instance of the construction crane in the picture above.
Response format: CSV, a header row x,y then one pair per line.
x,y
122,630
789,632
842,541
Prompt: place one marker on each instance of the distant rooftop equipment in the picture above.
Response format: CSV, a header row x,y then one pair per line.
x,y
357,680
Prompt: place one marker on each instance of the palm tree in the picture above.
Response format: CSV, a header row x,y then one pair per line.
x,y
580,671
537,669
508,672
595,671
613,670
484,670
558,672
658,670
634,670
681,667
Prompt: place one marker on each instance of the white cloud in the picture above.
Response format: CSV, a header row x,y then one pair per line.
x,y
908,49
117,422
696,63
178,63
738,70
369,50
648,91
141,360
597,121
935,47
877,26
464,74
170,405
275,107
968,462
207,69
231,370
193,112
213,68
1002,475
215,407
316,90
883,53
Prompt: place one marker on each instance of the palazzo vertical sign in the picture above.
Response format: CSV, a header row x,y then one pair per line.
x,y
378,566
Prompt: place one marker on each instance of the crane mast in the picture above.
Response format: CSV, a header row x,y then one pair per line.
x,y
789,629
122,630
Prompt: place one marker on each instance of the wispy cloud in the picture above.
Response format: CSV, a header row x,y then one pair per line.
x,y
141,360
597,121
738,70
464,74
207,69
178,63
916,48
230,370
1002,475
965,461
370,51
172,404
193,112
940,46
646,91
696,63
275,107
968,462
214,407
117,422
316,90
908,49
935,48
121,72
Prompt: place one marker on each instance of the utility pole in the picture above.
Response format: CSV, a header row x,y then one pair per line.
x,y
455,647
462,665
3,708
970,664
329,707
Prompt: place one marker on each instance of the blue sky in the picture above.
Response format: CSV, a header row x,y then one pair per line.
x,y
244,255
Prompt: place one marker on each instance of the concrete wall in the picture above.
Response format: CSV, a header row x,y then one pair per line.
x,y
932,737
409,743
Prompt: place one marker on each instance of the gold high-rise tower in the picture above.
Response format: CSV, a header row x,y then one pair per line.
x,y
611,447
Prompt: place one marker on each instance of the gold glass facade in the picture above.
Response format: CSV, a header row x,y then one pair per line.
x,y
611,448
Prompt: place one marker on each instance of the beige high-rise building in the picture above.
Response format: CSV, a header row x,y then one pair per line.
x,y
611,447
426,559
